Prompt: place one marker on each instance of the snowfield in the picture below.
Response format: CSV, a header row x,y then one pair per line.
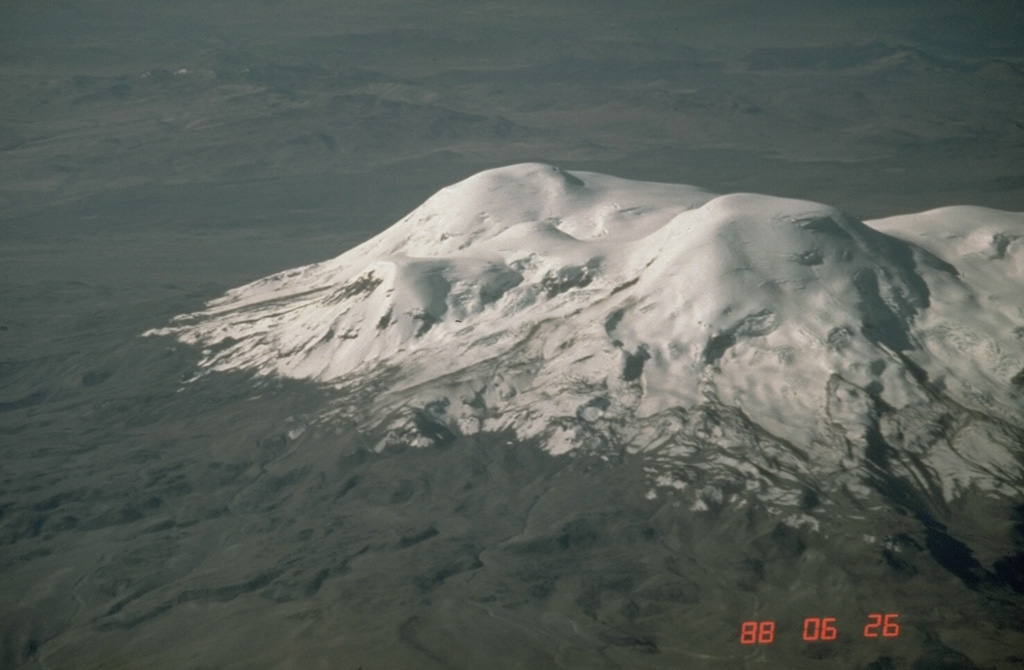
x,y
598,313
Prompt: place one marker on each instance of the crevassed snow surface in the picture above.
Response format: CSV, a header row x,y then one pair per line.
x,y
582,309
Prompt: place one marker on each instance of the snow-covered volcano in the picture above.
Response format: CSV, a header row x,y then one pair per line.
x,y
597,313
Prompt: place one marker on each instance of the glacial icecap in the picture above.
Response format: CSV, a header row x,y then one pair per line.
x,y
594,312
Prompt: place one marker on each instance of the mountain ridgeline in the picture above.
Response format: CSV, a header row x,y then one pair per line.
x,y
746,349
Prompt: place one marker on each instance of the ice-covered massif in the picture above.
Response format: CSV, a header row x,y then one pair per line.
x,y
595,313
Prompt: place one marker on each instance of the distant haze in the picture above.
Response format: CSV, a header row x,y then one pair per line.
x,y
296,113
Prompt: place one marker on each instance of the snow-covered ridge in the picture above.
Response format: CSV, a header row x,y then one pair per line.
x,y
552,301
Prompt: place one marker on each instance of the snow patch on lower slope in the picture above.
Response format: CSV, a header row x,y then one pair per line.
x,y
598,313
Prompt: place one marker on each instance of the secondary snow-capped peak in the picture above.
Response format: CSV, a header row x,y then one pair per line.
x,y
557,302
